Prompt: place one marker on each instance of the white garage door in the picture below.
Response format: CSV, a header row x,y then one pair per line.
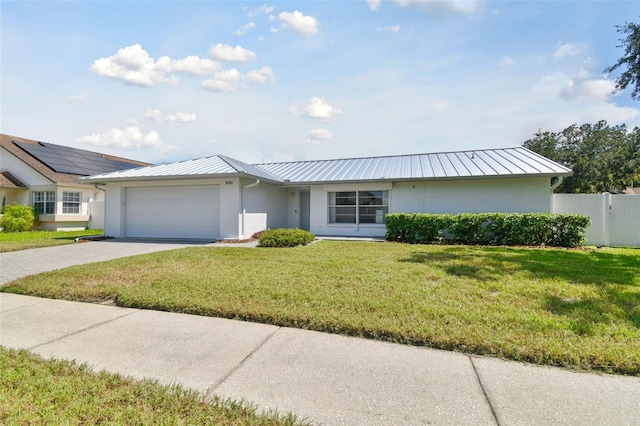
x,y
172,212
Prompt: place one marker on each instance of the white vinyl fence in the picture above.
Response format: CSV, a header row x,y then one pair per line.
x,y
615,219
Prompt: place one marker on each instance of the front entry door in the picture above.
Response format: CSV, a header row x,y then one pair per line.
x,y
305,210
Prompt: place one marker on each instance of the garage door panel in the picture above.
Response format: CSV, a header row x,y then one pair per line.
x,y
172,212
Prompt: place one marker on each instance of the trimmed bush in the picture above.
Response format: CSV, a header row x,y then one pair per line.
x,y
283,237
563,230
18,218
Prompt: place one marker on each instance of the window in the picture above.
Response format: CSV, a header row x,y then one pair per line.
x,y
358,207
44,202
70,202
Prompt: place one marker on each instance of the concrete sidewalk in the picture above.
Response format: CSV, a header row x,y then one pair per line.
x,y
326,378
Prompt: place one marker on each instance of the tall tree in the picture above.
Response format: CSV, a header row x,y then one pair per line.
x,y
603,158
631,59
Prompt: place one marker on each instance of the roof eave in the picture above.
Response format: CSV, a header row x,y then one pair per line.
x,y
100,180
422,179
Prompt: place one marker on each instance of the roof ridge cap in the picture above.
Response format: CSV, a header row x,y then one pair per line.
x,y
391,156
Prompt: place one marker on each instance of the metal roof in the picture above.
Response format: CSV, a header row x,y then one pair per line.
x,y
502,162
516,161
214,166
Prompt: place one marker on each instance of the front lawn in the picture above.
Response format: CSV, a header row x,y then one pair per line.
x,y
38,391
573,308
14,241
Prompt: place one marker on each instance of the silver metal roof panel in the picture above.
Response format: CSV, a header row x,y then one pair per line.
x,y
517,161
216,165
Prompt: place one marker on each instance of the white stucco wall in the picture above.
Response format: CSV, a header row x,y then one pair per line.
x,y
265,206
506,195
20,169
517,195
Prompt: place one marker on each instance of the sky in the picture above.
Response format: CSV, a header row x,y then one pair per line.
x,y
163,81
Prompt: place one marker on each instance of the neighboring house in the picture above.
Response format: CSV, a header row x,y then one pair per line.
x,y
632,191
219,197
45,176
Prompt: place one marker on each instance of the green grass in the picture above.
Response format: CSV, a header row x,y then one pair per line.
x,y
38,391
572,308
14,241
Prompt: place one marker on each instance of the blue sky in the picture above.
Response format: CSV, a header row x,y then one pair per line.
x,y
161,81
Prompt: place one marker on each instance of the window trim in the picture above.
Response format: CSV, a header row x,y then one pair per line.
x,y
48,200
357,207
71,202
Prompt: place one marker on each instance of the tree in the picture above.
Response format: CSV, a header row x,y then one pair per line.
x,y
631,44
603,158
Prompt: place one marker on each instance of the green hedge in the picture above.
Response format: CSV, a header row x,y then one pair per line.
x,y
283,237
564,230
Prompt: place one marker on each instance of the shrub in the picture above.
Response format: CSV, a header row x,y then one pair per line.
x,y
18,218
564,230
282,237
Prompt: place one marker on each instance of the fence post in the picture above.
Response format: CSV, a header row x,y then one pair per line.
x,y
606,201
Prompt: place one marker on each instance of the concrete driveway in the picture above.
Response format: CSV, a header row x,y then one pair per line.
x,y
18,264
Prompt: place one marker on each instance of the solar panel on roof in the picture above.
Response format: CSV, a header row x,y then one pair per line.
x,y
63,159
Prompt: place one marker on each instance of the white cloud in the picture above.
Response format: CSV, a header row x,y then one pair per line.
x,y
133,65
596,89
373,4
179,117
296,21
223,81
245,28
195,65
390,28
262,75
224,52
507,61
318,108
264,9
82,97
449,7
317,136
130,138
567,50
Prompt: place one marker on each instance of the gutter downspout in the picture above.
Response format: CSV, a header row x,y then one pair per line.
x,y
557,184
242,188
553,188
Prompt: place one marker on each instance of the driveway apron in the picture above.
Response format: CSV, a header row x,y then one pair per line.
x,y
18,264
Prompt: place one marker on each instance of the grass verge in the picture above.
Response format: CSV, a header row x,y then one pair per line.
x,y
14,241
38,391
571,308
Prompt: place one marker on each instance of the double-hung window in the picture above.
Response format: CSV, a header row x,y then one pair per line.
x,y
358,207
70,202
44,202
